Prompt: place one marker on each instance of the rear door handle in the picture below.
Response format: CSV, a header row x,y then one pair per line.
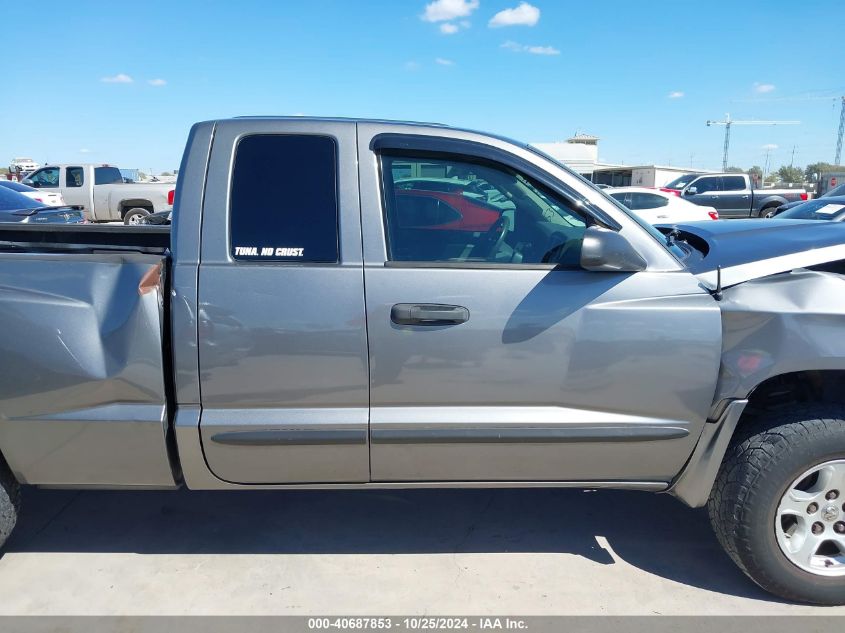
x,y
428,314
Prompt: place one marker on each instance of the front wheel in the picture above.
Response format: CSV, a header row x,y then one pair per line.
x,y
10,502
778,504
134,216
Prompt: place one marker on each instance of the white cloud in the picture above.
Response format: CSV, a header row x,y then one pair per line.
x,y
542,50
677,94
85,150
523,15
769,147
444,62
533,50
411,66
119,78
447,28
446,10
763,88
157,82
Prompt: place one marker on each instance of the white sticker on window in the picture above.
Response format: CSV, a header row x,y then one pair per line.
x,y
830,209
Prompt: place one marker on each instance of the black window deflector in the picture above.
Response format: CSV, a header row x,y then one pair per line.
x,y
442,145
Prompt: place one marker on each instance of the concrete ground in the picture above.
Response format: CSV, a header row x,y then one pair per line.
x,y
520,552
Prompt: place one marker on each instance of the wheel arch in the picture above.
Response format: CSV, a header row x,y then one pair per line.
x,y
135,203
731,416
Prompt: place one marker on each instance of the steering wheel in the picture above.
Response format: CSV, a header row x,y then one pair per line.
x,y
492,240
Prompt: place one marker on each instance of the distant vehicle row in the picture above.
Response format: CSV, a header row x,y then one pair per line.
x,y
732,195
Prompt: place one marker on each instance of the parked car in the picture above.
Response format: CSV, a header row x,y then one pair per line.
x,y
658,207
832,193
18,208
831,209
49,198
158,218
101,192
732,195
313,339
22,165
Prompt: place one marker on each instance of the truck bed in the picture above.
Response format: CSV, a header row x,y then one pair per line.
x,y
84,382
84,237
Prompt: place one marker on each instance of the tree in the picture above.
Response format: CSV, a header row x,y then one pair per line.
x,y
756,176
790,174
166,173
734,170
815,170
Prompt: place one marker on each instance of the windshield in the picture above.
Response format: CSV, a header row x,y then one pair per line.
x,y
820,209
14,201
836,191
682,181
678,252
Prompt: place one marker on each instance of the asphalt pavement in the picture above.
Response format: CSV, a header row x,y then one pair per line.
x,y
449,552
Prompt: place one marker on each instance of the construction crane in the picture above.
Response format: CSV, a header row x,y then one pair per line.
x,y
841,134
728,122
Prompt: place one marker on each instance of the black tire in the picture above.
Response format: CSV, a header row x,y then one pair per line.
x,y
764,212
10,502
134,214
764,458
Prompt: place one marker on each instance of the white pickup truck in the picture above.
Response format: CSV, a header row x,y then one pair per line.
x,y
101,192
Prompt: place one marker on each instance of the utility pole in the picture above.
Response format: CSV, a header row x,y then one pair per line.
x,y
766,166
792,159
838,159
728,122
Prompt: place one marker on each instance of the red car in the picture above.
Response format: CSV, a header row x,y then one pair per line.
x,y
442,210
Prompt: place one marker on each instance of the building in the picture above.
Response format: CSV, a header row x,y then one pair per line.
x,y
581,154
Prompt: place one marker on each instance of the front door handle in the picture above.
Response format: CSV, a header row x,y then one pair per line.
x,y
428,314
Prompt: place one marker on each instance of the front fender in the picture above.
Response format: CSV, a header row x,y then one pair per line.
x,y
780,324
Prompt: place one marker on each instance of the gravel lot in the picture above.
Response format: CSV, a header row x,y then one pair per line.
x,y
525,552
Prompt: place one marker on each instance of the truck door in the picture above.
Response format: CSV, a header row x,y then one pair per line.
x,y
76,190
734,198
706,191
281,324
493,355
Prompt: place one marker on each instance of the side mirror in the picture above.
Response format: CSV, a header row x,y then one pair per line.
x,y
691,191
29,183
604,250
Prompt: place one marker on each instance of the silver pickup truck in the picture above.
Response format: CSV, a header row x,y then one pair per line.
x,y
429,307
101,192
733,195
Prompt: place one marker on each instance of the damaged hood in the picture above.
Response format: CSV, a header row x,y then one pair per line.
x,y
751,249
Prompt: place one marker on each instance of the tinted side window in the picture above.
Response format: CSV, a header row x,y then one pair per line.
x,y
107,176
641,200
283,203
492,214
712,183
74,176
48,177
733,183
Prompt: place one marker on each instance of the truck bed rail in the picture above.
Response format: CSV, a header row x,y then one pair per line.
x,y
148,239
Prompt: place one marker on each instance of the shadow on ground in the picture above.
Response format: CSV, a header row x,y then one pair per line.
x,y
652,532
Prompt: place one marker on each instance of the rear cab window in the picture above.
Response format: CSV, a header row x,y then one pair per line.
x,y
733,183
107,176
283,203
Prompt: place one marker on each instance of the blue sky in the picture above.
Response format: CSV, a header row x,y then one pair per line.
x,y
536,73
